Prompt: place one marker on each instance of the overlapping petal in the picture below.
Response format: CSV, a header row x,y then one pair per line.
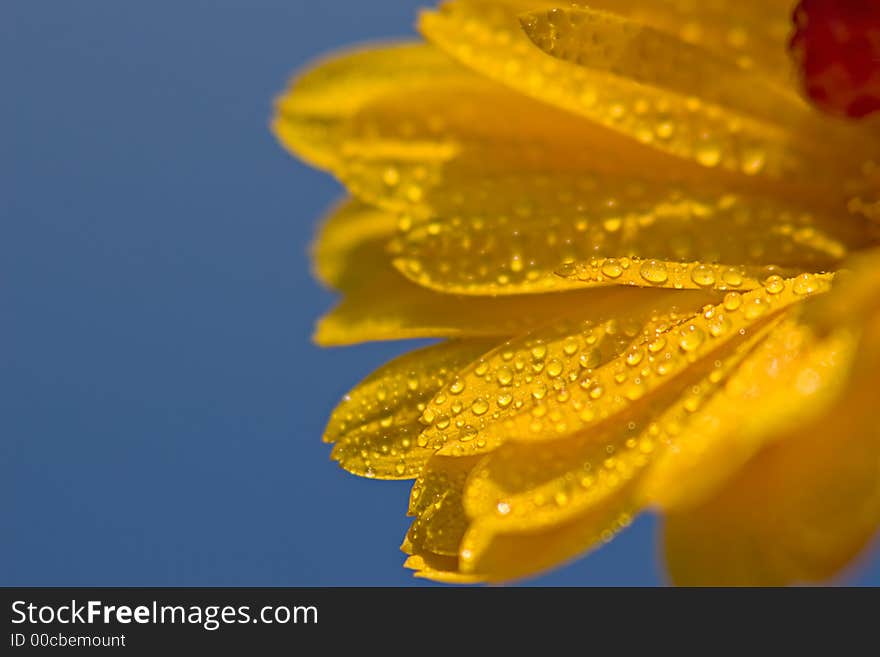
x,y
657,356
800,510
794,375
549,368
310,118
376,426
351,245
487,36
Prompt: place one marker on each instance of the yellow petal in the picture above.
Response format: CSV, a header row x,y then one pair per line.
x,y
489,555
800,511
493,555
351,245
550,363
310,117
525,486
435,500
376,426
536,233
487,37
524,491
391,308
628,48
753,35
439,568
400,146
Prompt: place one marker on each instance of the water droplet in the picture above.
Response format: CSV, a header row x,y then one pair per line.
x,y
708,153
611,268
774,284
657,344
732,277
566,270
732,301
590,358
804,284
539,391
457,386
654,271
752,160
554,368
703,275
634,356
505,376
570,347
612,225
719,325
691,337
480,406
664,129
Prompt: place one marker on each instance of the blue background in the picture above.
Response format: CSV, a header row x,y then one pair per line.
x,y
159,406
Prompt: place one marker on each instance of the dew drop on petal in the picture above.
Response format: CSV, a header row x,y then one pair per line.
x,y
654,271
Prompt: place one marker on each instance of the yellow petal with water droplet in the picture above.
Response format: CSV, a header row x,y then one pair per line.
x,y
799,511
666,349
393,308
351,244
487,551
311,116
792,376
526,486
376,426
527,233
487,36
435,501
605,41
399,147
646,42
547,364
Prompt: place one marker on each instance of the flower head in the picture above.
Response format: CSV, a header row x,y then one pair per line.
x,y
655,268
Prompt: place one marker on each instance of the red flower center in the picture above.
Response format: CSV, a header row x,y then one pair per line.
x,y
837,46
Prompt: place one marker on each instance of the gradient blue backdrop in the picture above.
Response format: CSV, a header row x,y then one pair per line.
x,y
161,405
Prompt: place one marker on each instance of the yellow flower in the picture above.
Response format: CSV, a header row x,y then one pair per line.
x,y
656,269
